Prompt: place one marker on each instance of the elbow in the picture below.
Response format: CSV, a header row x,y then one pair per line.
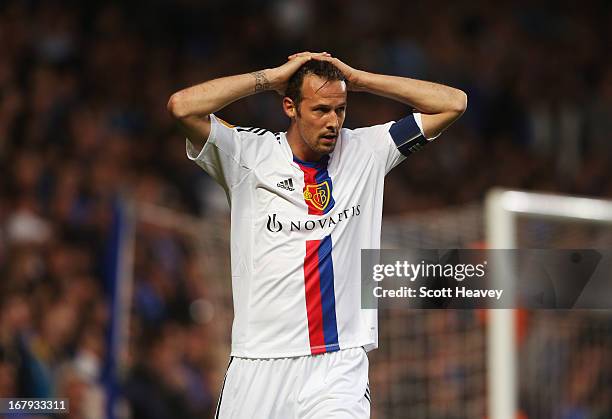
x,y
459,102
176,106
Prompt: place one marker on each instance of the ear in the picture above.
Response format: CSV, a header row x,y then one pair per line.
x,y
289,107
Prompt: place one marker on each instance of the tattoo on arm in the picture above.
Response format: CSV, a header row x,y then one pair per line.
x,y
261,82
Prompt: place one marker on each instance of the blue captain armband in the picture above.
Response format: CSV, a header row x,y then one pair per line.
x,y
407,135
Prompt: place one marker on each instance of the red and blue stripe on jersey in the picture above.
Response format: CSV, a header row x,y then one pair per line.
x,y
318,264
320,296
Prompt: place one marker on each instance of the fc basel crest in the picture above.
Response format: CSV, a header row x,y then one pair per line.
x,y
318,195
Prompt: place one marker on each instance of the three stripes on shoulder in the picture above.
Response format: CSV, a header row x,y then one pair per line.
x,y
258,131
254,130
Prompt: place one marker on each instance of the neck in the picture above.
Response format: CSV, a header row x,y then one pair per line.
x,y
299,148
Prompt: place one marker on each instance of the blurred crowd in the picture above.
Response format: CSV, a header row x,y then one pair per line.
x,y
572,359
83,92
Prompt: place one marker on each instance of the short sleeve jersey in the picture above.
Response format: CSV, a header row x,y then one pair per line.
x,y
297,230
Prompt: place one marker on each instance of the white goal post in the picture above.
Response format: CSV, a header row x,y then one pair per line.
x,y
502,209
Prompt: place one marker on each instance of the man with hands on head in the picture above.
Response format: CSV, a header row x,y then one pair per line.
x,y
303,204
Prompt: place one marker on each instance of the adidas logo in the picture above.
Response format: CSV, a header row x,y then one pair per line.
x,y
286,184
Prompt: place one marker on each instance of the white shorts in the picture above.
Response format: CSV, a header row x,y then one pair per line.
x,y
331,385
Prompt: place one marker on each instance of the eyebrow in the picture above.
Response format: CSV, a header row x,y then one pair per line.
x,y
322,105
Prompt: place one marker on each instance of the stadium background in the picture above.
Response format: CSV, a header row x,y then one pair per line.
x,y
83,89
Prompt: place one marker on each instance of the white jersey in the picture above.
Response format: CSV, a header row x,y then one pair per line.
x,y
297,230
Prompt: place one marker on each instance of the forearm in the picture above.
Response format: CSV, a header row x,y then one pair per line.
x,y
209,97
426,97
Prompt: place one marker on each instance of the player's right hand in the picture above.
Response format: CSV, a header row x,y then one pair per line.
x,y
279,76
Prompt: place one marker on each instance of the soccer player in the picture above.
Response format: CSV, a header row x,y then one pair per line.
x,y
303,204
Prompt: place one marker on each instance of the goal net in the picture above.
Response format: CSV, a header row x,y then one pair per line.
x,y
431,363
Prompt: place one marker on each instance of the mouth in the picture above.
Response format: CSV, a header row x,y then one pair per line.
x,y
329,138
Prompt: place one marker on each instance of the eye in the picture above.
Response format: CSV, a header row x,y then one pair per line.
x,y
341,110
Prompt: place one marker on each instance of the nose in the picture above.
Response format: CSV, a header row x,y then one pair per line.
x,y
333,122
